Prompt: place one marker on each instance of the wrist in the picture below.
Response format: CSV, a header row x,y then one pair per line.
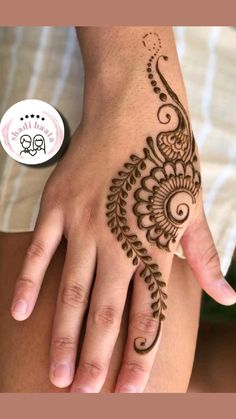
x,y
111,92
127,99
125,94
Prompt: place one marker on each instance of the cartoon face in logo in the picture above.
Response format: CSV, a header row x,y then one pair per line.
x,y
39,143
25,141
32,146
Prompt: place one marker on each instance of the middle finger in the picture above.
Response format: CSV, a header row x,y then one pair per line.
x,y
103,323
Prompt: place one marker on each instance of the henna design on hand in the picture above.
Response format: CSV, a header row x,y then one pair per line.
x,y
165,197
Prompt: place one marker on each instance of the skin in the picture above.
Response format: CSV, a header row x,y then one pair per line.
x,y
96,273
25,346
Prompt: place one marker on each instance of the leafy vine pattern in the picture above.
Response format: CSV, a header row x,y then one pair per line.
x,y
164,197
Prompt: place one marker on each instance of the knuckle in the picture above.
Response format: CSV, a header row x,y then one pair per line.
x,y
51,199
106,317
144,322
87,214
74,294
64,343
91,368
25,282
211,258
134,368
36,249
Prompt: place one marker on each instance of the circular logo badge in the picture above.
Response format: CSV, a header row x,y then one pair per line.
x,y
31,131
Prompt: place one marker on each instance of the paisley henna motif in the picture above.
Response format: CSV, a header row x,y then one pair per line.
x,y
164,197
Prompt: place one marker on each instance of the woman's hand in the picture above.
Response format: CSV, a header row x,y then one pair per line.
x,y
125,193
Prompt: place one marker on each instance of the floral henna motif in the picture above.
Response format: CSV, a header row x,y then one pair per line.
x,y
164,198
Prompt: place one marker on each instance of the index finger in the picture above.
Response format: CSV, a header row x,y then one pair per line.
x,y
145,326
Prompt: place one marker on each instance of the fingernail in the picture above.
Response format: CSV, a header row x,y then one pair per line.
x,y
228,290
60,370
127,389
19,307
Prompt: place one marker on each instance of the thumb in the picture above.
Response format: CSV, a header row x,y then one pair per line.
x,y
202,256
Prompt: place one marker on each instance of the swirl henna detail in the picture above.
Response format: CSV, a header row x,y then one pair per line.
x,y
164,198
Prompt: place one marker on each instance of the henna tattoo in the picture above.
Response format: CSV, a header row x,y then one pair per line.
x,y
158,209
165,197
152,42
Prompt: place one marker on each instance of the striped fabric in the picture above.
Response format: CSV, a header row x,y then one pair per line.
x,y
45,63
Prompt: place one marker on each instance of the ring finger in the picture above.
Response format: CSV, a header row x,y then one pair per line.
x,y
73,297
